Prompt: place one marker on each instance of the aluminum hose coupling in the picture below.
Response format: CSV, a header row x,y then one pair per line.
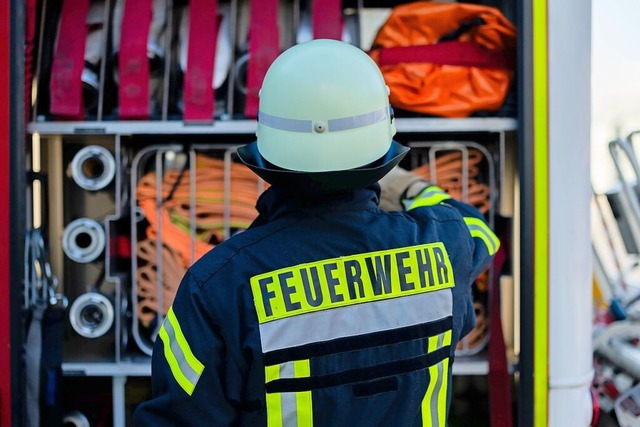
x,y
83,240
91,315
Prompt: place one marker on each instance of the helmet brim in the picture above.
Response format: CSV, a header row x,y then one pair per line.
x,y
321,181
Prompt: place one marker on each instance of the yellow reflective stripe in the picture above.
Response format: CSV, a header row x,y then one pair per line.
x,y
289,406
447,338
193,362
174,365
185,367
274,401
540,352
478,228
434,403
349,280
442,394
427,415
430,196
302,369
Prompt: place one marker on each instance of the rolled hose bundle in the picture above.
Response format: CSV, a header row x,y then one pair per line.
x,y
147,279
449,177
210,203
215,205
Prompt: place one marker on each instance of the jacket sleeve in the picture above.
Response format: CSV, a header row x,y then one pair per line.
x,y
187,367
485,242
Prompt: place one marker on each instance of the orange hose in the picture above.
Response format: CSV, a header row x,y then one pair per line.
x,y
171,222
449,171
147,279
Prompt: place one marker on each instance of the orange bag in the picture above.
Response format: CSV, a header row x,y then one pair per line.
x,y
446,59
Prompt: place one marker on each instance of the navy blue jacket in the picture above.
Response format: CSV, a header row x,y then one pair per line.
x,y
327,311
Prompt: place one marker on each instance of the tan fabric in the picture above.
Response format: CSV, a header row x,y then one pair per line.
x,y
393,186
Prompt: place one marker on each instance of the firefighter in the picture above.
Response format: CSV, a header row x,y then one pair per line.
x,y
328,310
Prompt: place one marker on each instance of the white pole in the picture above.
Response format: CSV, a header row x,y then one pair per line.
x,y
570,256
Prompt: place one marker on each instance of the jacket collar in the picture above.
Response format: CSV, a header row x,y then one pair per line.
x,y
276,202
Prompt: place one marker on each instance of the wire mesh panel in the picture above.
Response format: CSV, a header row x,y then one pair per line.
x,y
186,200
466,171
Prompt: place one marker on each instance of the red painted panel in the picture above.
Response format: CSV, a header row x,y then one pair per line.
x,y
5,342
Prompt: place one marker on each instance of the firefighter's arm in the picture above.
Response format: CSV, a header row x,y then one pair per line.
x,y
401,189
188,367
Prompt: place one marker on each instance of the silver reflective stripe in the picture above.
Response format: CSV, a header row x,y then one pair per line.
x,y
289,409
189,373
436,389
287,370
334,125
355,320
292,408
359,121
291,125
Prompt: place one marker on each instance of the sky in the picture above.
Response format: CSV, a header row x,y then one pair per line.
x,y
615,74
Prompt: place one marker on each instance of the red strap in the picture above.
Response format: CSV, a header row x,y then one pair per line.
x,y
68,61
448,53
499,378
327,19
264,47
199,94
133,63
30,12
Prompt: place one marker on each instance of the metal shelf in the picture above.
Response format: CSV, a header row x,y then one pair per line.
x,y
141,368
246,127
467,365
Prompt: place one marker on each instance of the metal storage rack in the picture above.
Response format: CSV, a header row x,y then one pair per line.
x,y
119,353
120,363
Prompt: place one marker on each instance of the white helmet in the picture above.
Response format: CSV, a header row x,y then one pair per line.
x,y
324,116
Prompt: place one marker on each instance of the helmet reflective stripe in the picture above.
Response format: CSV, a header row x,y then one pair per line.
x,y
282,123
334,125
359,121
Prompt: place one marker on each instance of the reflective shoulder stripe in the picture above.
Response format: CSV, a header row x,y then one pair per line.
x,y
430,196
185,367
478,228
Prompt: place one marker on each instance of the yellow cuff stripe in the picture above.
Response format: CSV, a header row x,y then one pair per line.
x,y
478,228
